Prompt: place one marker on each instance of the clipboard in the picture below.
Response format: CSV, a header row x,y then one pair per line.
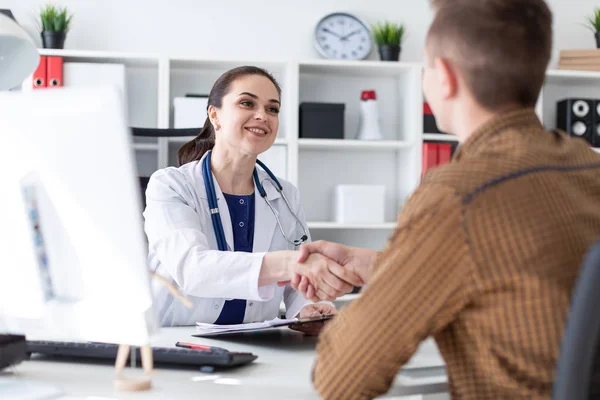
x,y
207,330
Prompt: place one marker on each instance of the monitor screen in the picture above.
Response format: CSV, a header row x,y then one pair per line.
x,y
73,249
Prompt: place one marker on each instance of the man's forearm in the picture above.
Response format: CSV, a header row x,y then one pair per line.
x,y
367,258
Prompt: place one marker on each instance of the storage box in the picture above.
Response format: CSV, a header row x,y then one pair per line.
x,y
189,112
360,204
429,122
322,120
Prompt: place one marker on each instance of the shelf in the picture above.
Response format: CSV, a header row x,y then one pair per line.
x,y
440,136
566,76
185,139
132,59
347,144
146,146
356,68
348,297
336,225
220,65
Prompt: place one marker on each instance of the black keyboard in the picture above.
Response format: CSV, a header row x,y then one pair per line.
x,y
172,356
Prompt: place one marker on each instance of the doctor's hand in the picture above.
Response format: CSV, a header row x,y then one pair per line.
x,y
328,279
356,263
313,310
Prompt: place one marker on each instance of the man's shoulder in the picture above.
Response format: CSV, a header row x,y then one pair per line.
x,y
433,196
459,178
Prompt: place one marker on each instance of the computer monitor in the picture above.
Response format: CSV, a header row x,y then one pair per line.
x,y
72,247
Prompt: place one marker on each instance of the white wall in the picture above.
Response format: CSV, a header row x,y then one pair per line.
x,y
257,29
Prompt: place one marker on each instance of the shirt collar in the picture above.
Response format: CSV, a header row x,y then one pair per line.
x,y
521,119
263,177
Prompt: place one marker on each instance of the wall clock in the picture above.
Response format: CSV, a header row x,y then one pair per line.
x,y
343,36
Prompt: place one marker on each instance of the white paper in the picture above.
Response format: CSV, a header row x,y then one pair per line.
x,y
206,329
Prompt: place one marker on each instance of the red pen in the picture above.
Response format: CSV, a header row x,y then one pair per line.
x,y
193,346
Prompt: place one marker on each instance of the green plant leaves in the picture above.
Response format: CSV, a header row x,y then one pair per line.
x,y
593,21
55,19
388,33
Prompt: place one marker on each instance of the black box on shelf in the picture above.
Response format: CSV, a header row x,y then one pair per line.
x,y
322,120
429,123
579,117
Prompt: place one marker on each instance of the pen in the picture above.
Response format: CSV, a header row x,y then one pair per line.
x,y
194,346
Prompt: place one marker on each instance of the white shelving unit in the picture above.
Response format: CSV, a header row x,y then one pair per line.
x,y
315,166
440,137
351,144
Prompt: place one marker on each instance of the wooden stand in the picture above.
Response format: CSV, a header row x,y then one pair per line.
x,y
125,384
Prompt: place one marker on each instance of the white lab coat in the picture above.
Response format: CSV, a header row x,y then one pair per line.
x,y
183,248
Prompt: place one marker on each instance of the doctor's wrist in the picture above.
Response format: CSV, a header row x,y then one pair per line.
x,y
277,266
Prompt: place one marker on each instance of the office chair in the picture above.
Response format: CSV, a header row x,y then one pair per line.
x,y
165,132
578,369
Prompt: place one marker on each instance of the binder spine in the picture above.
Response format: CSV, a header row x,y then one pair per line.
x,y
55,71
40,75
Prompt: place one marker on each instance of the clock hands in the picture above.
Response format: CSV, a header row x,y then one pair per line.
x,y
345,37
342,38
331,32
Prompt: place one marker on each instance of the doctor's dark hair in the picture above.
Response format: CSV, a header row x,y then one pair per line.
x,y
205,141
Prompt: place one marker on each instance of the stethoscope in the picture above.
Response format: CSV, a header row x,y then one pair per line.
x,y
214,208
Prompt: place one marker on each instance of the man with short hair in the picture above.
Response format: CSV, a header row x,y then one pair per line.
x,y
488,248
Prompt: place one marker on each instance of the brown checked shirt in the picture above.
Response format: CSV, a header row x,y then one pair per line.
x,y
484,258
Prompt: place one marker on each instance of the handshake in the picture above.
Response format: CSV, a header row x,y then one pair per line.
x,y
325,271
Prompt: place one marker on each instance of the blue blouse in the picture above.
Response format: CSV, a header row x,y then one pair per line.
x,y
241,211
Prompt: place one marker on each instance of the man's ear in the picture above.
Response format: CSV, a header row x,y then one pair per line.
x,y
446,78
213,116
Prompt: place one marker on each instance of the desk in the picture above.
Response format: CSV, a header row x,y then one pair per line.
x,y
281,371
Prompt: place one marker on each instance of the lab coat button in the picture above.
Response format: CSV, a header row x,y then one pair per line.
x,y
216,306
250,304
241,201
241,224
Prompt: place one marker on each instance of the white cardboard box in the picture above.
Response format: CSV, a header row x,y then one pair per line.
x,y
360,204
189,112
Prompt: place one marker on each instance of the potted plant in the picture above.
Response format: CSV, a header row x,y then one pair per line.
x,y
593,22
389,37
55,23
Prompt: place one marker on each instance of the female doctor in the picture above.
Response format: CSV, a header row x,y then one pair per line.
x,y
218,227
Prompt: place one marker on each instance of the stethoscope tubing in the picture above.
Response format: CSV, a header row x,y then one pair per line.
x,y
214,207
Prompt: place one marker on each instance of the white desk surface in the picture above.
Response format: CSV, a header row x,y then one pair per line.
x,y
281,371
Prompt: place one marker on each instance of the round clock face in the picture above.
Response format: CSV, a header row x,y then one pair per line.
x,y
343,36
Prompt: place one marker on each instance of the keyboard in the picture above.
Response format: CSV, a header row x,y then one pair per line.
x,y
168,356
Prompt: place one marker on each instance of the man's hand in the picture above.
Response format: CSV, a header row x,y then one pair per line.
x,y
313,310
328,279
354,266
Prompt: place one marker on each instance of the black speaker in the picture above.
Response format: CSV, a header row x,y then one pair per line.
x,y
576,117
596,129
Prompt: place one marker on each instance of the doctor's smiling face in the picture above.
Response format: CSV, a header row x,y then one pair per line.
x,y
248,119
243,116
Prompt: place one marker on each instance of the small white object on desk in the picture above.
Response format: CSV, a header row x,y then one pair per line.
x,y
359,204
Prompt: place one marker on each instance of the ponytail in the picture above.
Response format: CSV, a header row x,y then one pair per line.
x,y
198,146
